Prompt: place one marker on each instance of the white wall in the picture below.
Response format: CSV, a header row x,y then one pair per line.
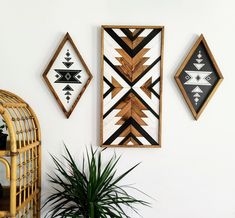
x,y
193,174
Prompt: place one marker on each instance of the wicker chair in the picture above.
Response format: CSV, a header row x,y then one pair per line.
x,y
21,159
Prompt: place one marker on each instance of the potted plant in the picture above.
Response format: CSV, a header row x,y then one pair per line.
x,y
3,136
89,191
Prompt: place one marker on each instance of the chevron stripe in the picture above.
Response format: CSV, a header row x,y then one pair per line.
x,y
130,138
137,95
132,35
132,79
129,123
111,87
132,52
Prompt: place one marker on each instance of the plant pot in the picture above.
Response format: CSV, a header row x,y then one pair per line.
x,y
3,141
1,191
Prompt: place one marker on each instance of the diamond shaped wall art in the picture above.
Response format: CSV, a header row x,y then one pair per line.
x,y
131,86
67,75
198,77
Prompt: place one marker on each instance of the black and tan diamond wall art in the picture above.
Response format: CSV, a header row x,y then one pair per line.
x,y
131,86
198,77
67,75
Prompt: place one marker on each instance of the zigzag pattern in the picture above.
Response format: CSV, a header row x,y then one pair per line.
x,y
131,84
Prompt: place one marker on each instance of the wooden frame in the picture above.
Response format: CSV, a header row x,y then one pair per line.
x,y
161,28
22,159
200,41
67,38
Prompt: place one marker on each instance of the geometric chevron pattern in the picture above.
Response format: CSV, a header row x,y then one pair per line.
x,y
131,86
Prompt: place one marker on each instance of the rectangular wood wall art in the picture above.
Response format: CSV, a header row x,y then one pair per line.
x,y
131,86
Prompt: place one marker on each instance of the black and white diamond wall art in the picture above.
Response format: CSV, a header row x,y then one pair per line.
x,y
198,77
67,75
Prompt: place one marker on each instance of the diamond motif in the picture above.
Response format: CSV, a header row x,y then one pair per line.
x,y
187,77
67,75
198,78
199,73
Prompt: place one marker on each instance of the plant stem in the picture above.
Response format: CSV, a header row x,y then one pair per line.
x,y
92,212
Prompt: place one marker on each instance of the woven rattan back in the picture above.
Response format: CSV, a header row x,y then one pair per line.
x,y
23,157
